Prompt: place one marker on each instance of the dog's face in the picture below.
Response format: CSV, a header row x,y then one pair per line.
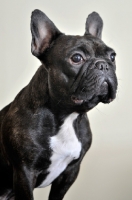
x,y
81,69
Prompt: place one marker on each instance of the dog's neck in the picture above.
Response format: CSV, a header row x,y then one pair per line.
x,y
37,89
40,97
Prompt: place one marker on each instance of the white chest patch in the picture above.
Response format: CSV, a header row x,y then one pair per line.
x,y
65,146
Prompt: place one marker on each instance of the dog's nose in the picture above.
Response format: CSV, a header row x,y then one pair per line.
x,y
101,65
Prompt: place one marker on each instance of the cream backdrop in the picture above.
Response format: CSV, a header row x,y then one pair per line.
x,y
106,171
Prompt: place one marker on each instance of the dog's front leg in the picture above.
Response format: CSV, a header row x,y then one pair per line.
x,y
23,183
61,185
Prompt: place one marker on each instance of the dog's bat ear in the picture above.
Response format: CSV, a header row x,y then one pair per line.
x,y
43,32
94,25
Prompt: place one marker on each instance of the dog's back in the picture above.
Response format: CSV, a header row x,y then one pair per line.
x,y
6,178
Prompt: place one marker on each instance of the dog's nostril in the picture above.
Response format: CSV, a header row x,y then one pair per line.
x,y
106,67
102,66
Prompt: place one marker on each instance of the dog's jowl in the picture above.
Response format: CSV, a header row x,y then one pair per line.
x,y
45,132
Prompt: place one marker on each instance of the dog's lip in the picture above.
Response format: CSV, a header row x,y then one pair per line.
x,y
109,100
109,94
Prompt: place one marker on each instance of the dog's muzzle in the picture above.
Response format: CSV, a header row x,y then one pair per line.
x,y
96,78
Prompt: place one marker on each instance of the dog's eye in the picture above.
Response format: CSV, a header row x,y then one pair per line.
x,y
112,57
77,58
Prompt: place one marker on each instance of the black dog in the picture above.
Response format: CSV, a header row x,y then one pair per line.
x,y
44,132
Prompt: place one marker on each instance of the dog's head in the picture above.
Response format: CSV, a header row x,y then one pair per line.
x,y
81,69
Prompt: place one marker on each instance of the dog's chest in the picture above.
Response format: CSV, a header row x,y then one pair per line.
x,y
65,147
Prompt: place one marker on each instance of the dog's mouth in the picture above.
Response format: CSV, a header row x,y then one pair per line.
x,y
106,93
76,100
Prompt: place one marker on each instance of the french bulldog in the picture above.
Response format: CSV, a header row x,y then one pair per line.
x,y
45,132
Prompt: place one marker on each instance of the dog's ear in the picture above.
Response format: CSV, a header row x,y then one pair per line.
x,y
94,25
43,32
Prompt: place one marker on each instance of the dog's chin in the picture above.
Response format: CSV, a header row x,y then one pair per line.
x,y
84,105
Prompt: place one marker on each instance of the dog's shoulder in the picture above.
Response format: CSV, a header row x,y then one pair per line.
x,y
3,113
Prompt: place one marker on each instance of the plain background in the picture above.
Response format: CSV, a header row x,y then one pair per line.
x,y
106,171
